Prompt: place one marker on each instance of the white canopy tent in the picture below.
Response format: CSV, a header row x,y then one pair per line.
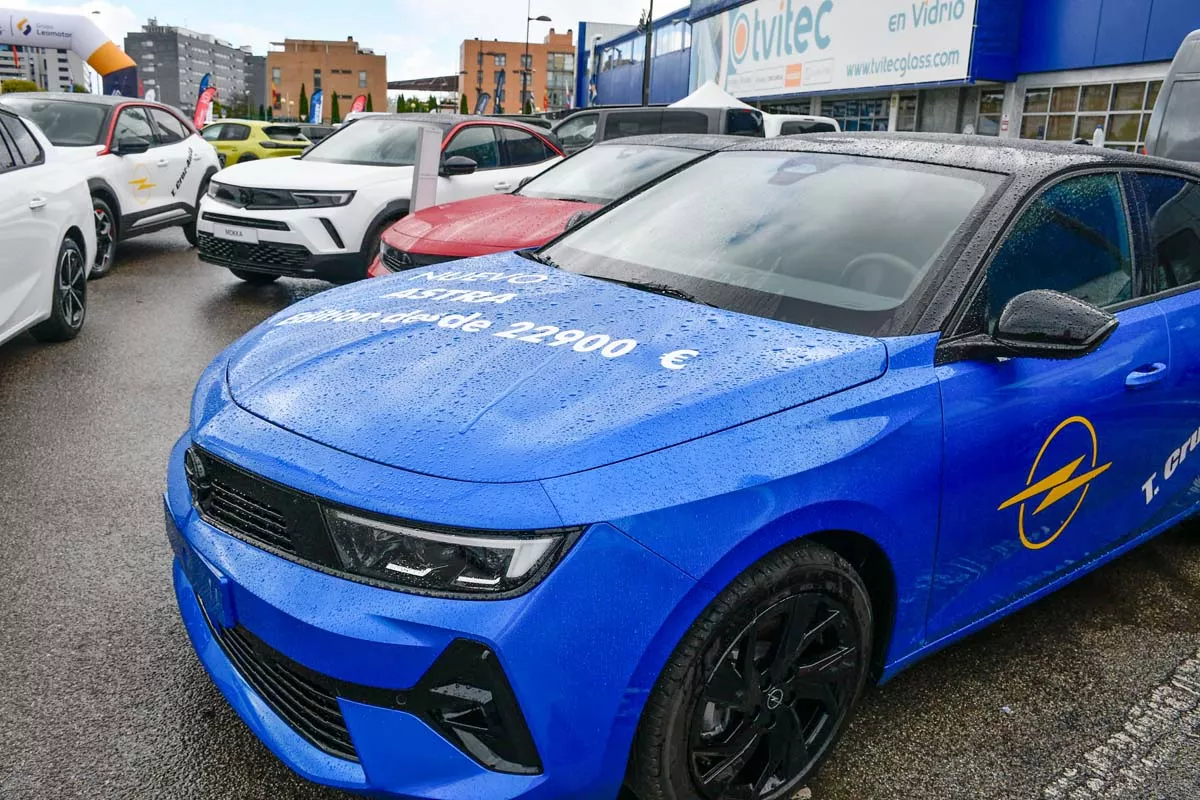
x,y
709,95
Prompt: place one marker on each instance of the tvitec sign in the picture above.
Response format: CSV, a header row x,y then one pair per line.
x,y
771,47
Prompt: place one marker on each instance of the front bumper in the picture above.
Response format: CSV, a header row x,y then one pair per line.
x,y
570,650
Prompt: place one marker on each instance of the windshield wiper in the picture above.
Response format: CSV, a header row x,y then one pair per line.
x,y
657,288
533,255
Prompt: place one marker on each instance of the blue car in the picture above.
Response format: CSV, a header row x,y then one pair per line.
x,y
651,506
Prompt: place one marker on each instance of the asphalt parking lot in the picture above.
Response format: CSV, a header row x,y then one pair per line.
x,y
1092,693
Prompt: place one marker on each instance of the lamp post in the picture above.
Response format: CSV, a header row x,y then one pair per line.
x,y
526,66
649,55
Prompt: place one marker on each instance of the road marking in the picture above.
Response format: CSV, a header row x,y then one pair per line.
x,y
1154,731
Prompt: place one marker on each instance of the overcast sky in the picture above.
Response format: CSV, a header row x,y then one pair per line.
x,y
420,37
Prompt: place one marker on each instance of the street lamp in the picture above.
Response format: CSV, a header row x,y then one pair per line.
x,y
526,65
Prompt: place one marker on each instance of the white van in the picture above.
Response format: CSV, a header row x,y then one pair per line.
x,y
791,124
1174,130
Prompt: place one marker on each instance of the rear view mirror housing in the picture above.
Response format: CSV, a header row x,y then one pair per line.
x,y
1039,324
131,145
458,165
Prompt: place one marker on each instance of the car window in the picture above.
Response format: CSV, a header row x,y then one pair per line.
x,y
66,123
211,133
26,146
478,143
524,148
1074,239
285,133
832,241
632,123
684,122
1173,210
578,132
170,129
792,127
604,173
7,160
133,122
235,133
744,122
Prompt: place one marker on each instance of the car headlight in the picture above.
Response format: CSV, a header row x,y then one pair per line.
x,y
440,560
322,199
213,188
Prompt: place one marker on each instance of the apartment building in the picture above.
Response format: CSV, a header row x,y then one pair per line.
x,y
546,81
341,68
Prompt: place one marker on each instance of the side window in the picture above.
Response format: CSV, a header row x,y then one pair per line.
x,y
133,122
1173,209
170,129
744,122
7,161
684,122
235,133
27,148
578,132
212,133
1074,239
478,143
632,123
794,127
524,148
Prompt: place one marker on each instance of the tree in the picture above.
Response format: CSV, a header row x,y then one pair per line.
x,y
19,85
303,103
336,113
270,114
462,105
370,103
401,105
433,104
261,113
528,106
78,88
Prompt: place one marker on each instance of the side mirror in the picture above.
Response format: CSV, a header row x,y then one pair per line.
x,y
458,165
131,145
1042,324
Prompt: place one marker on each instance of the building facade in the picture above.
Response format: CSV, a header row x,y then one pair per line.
x,y
499,70
591,35
340,68
172,61
52,70
1037,69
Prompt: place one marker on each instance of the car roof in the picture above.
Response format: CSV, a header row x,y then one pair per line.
x,y
451,120
79,97
706,142
1029,158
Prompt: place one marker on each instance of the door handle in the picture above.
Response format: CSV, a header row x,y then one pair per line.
x,y
502,186
162,162
1145,376
37,202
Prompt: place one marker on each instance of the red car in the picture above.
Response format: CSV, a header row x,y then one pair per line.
x,y
543,207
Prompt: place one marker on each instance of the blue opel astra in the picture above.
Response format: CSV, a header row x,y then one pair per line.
x,y
651,506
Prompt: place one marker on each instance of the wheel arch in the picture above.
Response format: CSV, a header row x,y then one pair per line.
x,y
98,187
392,212
74,234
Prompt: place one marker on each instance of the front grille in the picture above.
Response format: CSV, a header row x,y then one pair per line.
x,y
294,693
245,222
272,257
398,260
230,509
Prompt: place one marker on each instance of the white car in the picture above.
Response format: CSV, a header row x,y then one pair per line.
x,y
792,124
321,215
145,166
47,234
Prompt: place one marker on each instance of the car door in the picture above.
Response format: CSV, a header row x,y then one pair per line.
x,y
525,155
1044,460
1172,250
142,177
176,146
481,144
27,257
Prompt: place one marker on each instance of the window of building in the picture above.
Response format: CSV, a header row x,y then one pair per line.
x,y
906,112
275,75
316,80
501,59
362,79
991,111
1065,113
496,76
526,62
864,114
801,106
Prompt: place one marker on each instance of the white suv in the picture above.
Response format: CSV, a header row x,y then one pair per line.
x,y
146,167
47,232
321,215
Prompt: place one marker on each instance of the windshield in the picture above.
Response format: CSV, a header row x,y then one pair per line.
x,y
65,124
836,242
372,142
602,174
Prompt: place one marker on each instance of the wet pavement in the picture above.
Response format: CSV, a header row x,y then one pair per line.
x,y
1091,693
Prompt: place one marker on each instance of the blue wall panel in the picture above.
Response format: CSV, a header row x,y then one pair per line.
x,y
668,81
1170,22
1058,34
1121,38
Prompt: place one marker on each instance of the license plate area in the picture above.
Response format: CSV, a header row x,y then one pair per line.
x,y
213,590
233,233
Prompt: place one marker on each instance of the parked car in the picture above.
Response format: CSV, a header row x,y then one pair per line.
x,y
589,126
321,215
145,165
314,132
529,119
1174,130
48,235
240,140
793,124
653,504
542,208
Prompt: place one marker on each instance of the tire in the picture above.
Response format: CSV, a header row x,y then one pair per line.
x,y
707,732
247,158
370,245
68,310
255,278
107,232
189,228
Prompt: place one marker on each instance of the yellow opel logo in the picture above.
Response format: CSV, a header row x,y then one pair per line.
x,y
1074,435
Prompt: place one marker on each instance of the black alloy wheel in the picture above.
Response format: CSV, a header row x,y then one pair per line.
x,y
68,308
773,698
760,688
106,238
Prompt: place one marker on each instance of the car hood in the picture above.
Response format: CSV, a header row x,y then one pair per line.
x,y
484,225
296,173
395,371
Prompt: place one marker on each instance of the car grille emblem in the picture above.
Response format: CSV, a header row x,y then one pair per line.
x,y
197,476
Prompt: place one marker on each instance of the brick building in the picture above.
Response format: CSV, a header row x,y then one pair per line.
x,y
338,67
550,73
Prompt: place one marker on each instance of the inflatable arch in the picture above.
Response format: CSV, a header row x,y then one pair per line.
x,y
70,32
